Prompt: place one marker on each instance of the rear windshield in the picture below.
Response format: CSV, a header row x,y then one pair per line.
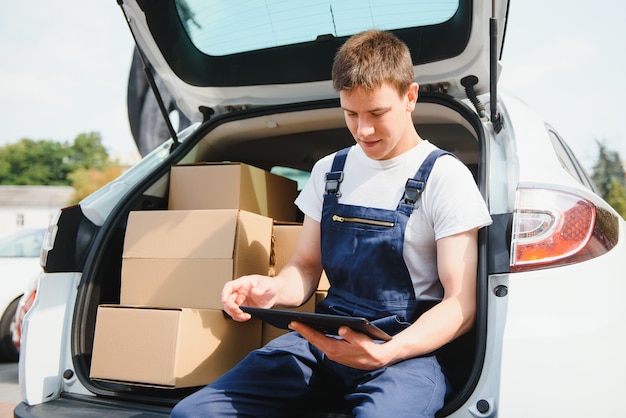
x,y
225,27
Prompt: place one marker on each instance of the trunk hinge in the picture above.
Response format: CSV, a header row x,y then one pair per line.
x,y
147,68
496,118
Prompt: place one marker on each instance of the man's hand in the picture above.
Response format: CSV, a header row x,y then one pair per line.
x,y
353,349
254,290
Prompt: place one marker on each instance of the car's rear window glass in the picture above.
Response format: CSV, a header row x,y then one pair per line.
x,y
225,27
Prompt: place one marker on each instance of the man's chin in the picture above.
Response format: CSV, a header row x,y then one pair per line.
x,y
372,150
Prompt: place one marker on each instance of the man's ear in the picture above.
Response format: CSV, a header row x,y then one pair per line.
x,y
411,96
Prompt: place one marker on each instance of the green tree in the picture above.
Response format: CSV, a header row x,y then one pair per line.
x,y
87,152
87,180
46,162
608,169
29,162
608,175
617,197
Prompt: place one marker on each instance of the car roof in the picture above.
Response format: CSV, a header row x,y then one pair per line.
x,y
219,56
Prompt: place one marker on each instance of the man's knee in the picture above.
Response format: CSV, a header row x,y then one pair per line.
x,y
195,406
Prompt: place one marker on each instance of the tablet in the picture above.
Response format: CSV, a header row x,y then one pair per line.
x,y
328,324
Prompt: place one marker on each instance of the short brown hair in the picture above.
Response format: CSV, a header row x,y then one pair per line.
x,y
371,58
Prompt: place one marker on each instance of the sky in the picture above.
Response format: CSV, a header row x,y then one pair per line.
x,y
64,70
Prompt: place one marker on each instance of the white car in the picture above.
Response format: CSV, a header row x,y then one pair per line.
x,y
19,268
253,78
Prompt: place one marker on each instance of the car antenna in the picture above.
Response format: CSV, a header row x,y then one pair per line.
x,y
496,118
147,68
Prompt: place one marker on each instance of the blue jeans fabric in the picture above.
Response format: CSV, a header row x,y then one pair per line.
x,y
289,377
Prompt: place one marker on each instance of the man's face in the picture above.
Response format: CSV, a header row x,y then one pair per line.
x,y
380,120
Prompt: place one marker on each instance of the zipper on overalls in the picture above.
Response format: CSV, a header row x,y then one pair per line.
x,y
337,218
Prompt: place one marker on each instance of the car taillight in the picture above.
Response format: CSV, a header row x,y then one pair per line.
x,y
554,227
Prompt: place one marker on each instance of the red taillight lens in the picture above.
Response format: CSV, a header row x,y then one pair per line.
x,y
553,228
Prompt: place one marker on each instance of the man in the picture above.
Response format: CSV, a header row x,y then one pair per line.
x,y
405,261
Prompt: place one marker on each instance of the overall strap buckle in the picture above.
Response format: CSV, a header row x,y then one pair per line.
x,y
415,186
335,176
333,179
412,191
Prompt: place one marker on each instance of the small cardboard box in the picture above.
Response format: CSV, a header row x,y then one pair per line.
x,y
168,348
284,239
232,186
184,258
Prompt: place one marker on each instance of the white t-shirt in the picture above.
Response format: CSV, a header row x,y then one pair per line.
x,y
449,204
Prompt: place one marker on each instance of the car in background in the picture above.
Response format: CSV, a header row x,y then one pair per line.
x,y
253,80
19,269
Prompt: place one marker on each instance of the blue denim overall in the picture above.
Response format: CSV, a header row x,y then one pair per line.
x,y
362,256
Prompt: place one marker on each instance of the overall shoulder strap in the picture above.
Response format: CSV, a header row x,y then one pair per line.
x,y
335,176
415,186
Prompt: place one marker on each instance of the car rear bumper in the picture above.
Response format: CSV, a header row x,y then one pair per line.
x,y
75,406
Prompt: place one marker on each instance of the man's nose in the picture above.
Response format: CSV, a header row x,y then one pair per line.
x,y
365,128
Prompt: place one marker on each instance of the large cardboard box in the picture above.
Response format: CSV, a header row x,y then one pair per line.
x,y
184,258
232,186
168,348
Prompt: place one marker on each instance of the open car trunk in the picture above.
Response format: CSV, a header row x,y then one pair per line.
x,y
282,139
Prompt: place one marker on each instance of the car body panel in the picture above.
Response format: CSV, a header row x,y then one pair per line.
x,y
19,267
563,337
47,343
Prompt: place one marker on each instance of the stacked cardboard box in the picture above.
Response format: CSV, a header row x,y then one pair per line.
x,y
230,186
168,347
183,258
169,330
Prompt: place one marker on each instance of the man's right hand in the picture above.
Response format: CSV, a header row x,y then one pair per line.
x,y
254,290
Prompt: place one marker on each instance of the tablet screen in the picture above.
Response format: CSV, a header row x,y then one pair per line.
x,y
328,324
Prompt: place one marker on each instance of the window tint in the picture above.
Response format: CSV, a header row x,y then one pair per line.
x,y
223,27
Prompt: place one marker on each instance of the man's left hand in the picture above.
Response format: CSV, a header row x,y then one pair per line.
x,y
352,349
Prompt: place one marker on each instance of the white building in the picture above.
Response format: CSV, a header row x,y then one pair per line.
x,y
31,206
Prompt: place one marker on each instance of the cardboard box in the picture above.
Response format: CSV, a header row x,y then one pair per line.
x,y
320,295
232,186
324,284
168,348
284,239
184,258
